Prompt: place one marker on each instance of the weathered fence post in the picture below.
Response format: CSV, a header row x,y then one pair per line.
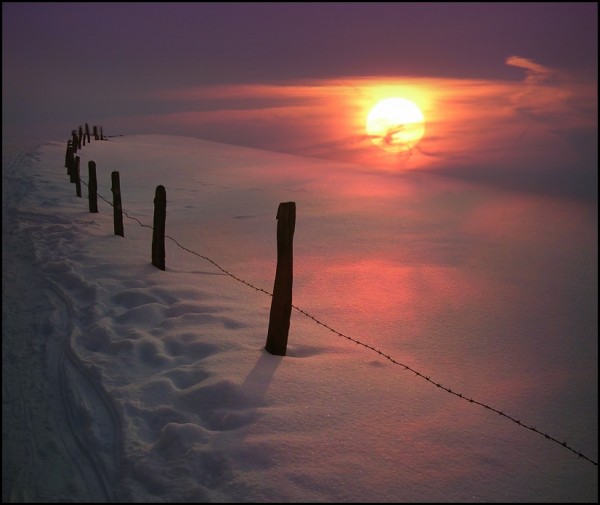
x,y
73,173
75,140
87,132
95,132
158,235
68,154
281,304
118,209
92,186
70,162
80,137
101,133
77,177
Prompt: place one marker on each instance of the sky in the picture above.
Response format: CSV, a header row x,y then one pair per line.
x,y
126,383
508,90
470,256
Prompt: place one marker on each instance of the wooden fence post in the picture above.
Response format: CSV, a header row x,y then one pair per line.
x,y
67,154
87,132
92,186
95,132
118,209
101,133
75,140
80,137
70,162
281,304
73,172
77,177
158,235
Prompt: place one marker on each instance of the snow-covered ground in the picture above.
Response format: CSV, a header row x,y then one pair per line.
x,y
122,382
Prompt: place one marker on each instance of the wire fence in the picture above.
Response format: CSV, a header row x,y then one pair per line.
x,y
374,349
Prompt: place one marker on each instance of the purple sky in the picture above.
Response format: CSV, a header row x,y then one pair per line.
x,y
160,68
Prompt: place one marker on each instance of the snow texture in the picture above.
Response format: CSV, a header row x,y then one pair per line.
x,y
122,382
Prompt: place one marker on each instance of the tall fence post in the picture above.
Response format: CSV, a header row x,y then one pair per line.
x,y
281,304
95,132
158,235
87,132
92,186
118,209
77,176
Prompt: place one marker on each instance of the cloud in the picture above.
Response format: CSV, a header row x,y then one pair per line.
x,y
535,73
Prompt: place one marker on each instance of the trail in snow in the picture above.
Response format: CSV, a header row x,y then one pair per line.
x,y
61,434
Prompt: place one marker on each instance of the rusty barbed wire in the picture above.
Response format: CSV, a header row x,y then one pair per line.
x,y
388,357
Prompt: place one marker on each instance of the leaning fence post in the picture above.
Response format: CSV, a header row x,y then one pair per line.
x,y
281,304
158,235
92,186
118,210
77,177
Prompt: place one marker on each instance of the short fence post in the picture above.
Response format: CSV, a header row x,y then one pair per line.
x,y
77,177
118,210
73,173
75,140
92,186
70,162
158,234
67,153
281,304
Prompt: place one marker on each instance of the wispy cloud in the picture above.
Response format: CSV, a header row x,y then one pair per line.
x,y
535,72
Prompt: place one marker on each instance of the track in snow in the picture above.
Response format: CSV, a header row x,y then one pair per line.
x,y
61,434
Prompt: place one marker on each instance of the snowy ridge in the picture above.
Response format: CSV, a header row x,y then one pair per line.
x,y
167,394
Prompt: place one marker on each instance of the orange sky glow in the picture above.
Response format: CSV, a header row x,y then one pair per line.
x,y
467,121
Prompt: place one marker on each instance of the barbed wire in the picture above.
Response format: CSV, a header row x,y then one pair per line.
x,y
368,346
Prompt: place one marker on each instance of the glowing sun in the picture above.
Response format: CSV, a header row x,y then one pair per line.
x,y
395,124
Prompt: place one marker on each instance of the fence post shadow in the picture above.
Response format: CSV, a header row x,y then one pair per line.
x,y
259,378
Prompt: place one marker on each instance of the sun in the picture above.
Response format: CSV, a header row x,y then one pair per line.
x,y
395,124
